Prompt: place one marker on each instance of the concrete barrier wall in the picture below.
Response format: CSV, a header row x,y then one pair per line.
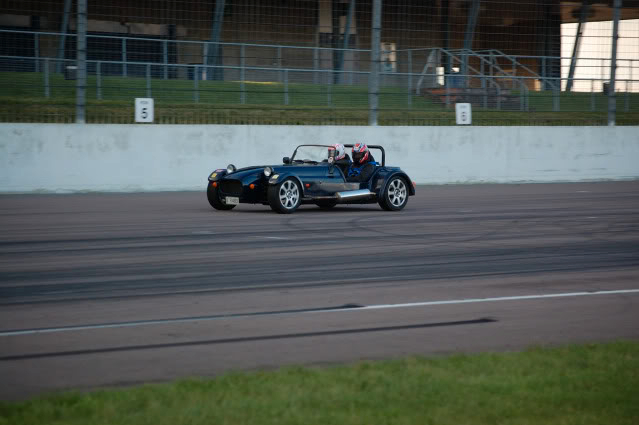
x,y
69,157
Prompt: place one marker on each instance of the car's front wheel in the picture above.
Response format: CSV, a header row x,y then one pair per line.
x,y
213,195
395,196
285,196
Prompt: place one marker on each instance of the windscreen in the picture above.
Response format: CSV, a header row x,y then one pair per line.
x,y
311,153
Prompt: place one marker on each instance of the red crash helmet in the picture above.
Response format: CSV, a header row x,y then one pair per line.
x,y
360,153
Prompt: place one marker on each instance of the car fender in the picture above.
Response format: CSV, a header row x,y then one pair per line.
x,y
217,174
387,176
282,176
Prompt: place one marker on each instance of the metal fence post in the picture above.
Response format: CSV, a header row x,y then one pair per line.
x,y
612,101
410,78
205,60
373,79
124,70
483,85
165,53
315,65
47,88
279,63
81,59
286,87
555,98
493,61
345,45
98,80
632,64
36,52
628,90
329,88
592,95
148,80
196,85
212,57
242,75
63,34
483,75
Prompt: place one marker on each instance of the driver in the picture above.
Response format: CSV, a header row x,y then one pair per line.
x,y
342,160
363,164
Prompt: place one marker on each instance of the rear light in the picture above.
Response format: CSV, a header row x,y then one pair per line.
x,y
214,184
252,186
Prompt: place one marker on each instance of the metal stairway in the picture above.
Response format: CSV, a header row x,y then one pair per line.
x,y
490,86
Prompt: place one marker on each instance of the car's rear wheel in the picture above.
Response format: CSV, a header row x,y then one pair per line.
x,y
395,196
326,205
213,195
285,196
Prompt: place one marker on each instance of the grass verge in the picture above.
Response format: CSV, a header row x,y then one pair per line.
x,y
585,384
23,98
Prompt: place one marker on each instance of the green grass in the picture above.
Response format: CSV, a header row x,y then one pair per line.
x,y
589,384
22,99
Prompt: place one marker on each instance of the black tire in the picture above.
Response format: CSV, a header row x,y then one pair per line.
x,y
395,196
326,205
213,195
285,196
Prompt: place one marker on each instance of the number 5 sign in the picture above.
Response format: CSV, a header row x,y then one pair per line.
x,y
143,109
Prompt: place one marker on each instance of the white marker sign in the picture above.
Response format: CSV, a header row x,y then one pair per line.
x,y
143,109
464,113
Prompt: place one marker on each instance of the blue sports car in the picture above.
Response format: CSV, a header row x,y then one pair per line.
x,y
309,176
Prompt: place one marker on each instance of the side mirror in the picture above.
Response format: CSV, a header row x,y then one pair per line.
x,y
286,160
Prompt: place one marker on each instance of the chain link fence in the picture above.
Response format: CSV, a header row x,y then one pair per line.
x,y
310,61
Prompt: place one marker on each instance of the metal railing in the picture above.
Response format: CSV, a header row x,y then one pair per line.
x,y
264,82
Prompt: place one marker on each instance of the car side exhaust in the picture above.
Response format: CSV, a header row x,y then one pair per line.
x,y
353,195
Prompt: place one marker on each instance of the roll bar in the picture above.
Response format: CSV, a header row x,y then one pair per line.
x,y
374,147
378,147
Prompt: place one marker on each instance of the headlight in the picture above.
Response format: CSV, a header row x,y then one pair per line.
x,y
230,168
268,171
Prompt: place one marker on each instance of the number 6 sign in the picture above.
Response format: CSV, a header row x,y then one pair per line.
x,y
143,109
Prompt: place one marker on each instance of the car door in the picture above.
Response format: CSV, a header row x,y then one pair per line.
x,y
312,176
334,182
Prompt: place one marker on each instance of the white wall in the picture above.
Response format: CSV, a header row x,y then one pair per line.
x,y
70,157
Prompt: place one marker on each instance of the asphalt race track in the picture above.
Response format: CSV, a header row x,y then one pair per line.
x,y
118,289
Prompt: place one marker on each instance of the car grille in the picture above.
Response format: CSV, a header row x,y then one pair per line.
x,y
231,187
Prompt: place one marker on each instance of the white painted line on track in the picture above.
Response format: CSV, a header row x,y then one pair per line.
x,y
483,300
319,310
271,237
